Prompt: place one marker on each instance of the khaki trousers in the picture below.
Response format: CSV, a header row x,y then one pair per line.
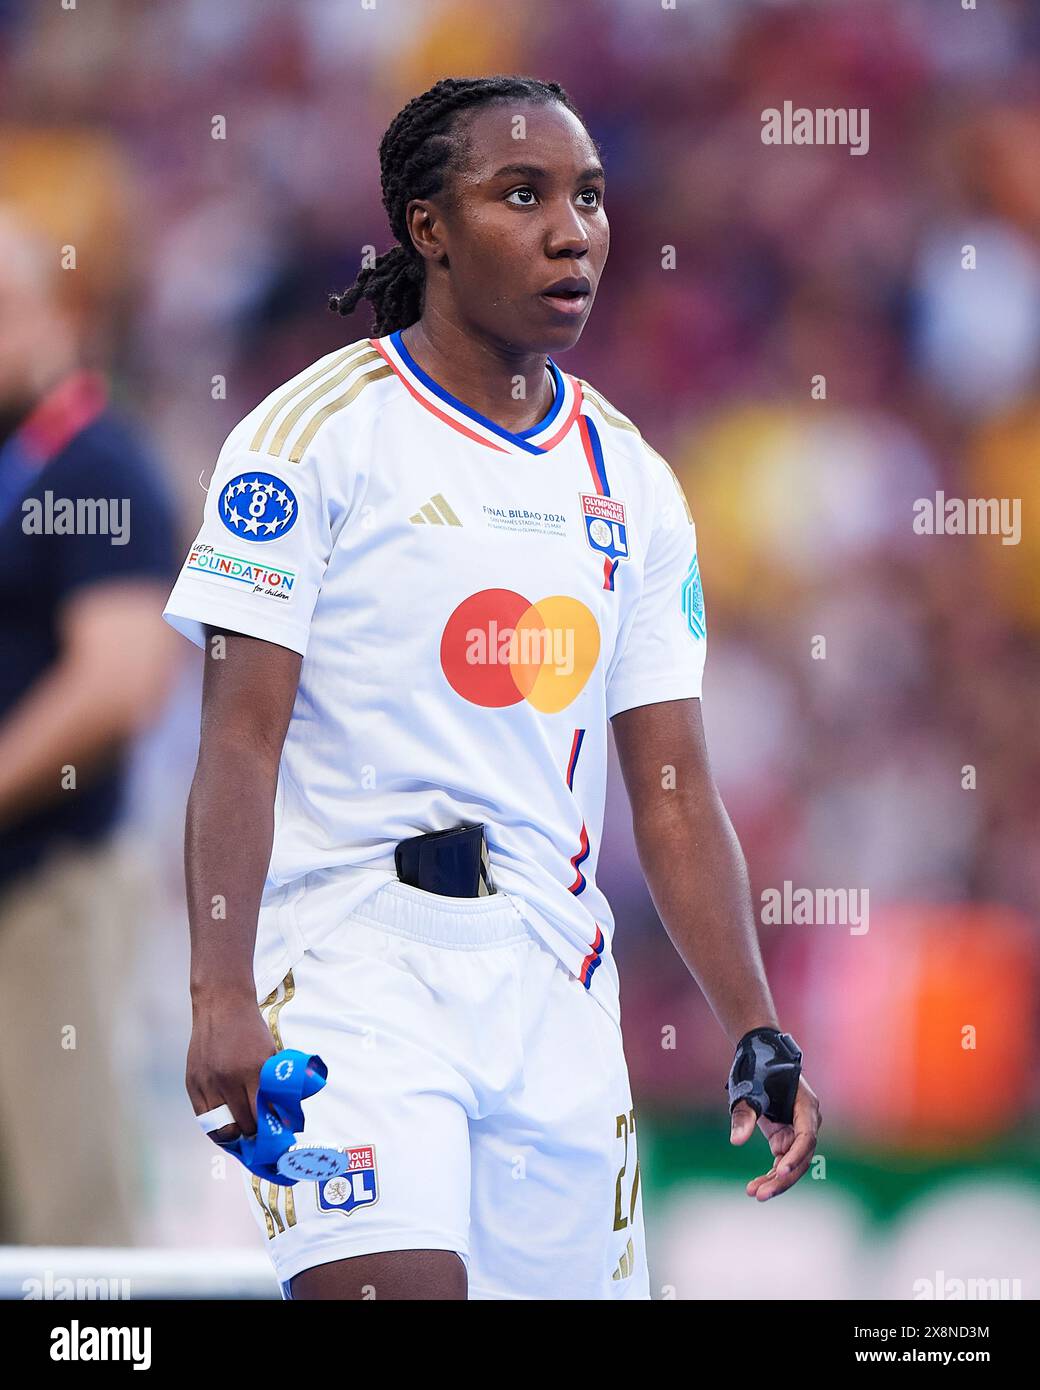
x,y
67,1148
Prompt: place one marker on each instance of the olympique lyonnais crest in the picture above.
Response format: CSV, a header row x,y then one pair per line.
x,y
605,528
357,1187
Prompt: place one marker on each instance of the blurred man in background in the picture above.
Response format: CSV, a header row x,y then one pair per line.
x,y
85,534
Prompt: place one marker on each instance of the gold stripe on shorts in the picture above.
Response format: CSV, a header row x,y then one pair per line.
x,y
263,1207
274,1003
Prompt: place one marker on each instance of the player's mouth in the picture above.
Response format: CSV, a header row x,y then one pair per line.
x,y
571,295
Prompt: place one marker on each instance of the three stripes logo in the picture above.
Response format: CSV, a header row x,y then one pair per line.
x,y
436,512
627,1263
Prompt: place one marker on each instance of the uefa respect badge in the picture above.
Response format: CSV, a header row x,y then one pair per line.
x,y
692,596
258,507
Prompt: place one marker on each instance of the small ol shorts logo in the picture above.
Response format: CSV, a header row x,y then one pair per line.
x,y
358,1187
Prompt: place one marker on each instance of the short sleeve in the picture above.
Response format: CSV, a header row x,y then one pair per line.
x,y
663,641
257,564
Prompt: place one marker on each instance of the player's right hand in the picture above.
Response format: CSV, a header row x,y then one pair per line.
x,y
230,1042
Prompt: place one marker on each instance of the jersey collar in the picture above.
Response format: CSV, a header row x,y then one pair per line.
x,y
539,439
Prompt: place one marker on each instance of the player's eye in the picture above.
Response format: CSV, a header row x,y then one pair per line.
x,y
523,194
593,194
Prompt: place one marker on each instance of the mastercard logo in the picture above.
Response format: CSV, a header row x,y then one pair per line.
x,y
499,648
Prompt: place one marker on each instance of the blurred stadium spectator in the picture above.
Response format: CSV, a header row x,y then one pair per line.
x,y
84,663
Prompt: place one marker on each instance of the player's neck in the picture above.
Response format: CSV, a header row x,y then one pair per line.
x,y
482,377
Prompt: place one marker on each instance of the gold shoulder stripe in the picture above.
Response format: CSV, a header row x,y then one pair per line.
x,y
356,350
606,409
325,389
317,420
674,477
622,422
612,418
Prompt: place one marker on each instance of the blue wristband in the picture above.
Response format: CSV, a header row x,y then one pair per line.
x,y
287,1079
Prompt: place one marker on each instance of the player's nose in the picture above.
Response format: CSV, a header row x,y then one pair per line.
x,y
567,234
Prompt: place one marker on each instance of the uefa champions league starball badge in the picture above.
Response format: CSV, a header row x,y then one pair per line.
x,y
313,1162
257,507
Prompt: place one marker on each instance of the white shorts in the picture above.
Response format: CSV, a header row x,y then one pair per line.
x,y
484,1097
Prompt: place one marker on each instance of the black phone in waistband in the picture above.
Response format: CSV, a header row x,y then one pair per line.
x,y
453,863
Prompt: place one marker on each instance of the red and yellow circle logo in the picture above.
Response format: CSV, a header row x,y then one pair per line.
x,y
498,648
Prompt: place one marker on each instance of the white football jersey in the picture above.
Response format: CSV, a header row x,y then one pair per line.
x,y
472,605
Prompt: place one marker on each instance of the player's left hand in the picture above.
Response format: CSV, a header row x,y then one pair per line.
x,y
792,1145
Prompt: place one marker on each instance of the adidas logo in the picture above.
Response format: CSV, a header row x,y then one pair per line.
x,y
626,1264
437,512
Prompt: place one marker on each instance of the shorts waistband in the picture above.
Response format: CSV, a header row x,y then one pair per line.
x,y
397,907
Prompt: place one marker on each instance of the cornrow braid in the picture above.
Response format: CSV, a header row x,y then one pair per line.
x,y
417,151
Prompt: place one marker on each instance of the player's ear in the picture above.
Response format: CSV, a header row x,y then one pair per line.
x,y
426,228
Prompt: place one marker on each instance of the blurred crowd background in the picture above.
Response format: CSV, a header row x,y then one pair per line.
x,y
905,762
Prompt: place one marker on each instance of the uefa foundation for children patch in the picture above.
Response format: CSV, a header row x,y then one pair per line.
x,y
235,569
354,1189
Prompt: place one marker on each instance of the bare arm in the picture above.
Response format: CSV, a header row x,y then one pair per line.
x,y
248,693
697,878
108,681
692,861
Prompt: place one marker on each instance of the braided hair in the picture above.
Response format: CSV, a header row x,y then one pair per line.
x,y
417,151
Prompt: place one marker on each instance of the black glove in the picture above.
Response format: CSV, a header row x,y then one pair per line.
x,y
765,1073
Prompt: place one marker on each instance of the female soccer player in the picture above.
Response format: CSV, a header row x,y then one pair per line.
x,y
432,566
